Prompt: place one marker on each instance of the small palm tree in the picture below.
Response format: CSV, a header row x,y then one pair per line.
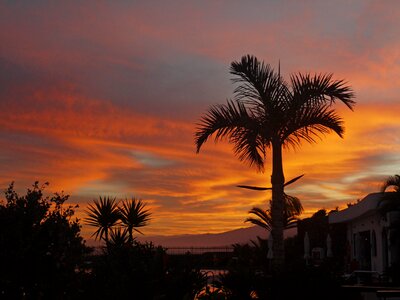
x,y
293,208
134,215
390,201
103,214
392,181
269,114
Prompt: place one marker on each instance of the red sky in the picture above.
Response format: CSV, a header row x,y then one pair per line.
x,y
102,98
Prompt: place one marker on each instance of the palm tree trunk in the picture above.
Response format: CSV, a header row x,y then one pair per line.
x,y
277,181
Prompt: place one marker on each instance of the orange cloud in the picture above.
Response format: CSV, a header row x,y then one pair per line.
x,y
95,147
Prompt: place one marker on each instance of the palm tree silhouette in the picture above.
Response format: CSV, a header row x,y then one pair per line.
x,y
104,214
292,209
390,201
268,113
134,215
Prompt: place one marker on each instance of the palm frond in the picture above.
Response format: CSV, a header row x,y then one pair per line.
x,y
263,218
118,238
310,90
258,82
233,122
259,222
250,146
221,120
134,215
293,180
257,188
391,181
293,206
309,123
390,201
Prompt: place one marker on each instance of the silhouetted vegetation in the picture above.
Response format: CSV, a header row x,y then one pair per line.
x,y
42,253
125,271
267,114
250,275
43,256
121,220
293,208
390,203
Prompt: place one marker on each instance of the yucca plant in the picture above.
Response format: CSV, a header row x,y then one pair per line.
x,y
133,214
119,238
103,214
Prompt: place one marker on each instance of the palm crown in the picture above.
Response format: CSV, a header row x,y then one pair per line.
x,y
267,110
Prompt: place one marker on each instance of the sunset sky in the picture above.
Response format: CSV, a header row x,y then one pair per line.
x,y
102,98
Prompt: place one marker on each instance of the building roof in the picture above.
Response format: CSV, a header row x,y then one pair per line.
x,y
365,206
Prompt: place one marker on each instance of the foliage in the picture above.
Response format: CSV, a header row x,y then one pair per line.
x,y
266,108
268,113
304,282
249,276
293,208
106,214
42,256
390,200
42,252
246,271
103,214
184,279
131,270
133,215
390,205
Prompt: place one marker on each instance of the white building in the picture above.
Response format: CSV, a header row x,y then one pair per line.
x,y
369,234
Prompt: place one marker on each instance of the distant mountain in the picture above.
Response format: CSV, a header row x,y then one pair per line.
x,y
237,236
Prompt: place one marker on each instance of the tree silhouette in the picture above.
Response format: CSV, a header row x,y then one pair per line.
x,y
268,113
292,210
390,201
133,215
42,253
104,214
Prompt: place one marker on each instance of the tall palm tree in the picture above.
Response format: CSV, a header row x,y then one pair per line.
x,y
268,113
134,215
292,209
104,215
